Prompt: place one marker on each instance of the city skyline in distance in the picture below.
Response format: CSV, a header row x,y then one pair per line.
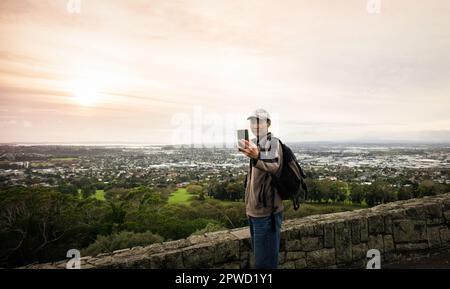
x,y
229,144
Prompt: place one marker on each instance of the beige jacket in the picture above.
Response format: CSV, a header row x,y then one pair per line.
x,y
258,183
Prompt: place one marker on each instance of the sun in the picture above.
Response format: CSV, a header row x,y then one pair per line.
x,y
85,92
93,86
86,96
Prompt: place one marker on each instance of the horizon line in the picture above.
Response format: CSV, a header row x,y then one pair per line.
x,y
118,143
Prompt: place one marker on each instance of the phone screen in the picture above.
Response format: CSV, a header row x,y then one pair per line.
x,y
242,134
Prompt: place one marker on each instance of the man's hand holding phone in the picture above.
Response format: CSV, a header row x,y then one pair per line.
x,y
248,148
245,146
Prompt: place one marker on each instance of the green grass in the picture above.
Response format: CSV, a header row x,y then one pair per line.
x,y
99,195
226,202
40,164
180,196
307,209
63,159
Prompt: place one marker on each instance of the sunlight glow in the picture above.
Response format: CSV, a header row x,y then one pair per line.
x,y
86,93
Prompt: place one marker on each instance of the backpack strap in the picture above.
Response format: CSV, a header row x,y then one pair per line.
x,y
273,180
246,181
249,174
272,215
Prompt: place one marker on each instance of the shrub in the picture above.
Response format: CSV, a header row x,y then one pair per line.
x,y
122,240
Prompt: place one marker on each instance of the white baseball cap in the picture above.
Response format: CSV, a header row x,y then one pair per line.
x,y
260,114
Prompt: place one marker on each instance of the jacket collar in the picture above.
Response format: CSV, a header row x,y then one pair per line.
x,y
264,139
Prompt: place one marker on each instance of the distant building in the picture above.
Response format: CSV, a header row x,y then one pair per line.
x,y
179,185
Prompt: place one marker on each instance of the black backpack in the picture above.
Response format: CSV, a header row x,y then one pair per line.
x,y
290,181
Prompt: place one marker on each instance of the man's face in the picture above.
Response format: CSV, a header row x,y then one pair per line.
x,y
259,127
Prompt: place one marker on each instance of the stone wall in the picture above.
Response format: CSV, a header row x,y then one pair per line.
x,y
399,230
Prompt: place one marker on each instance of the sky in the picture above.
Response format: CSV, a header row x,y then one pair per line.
x,y
168,71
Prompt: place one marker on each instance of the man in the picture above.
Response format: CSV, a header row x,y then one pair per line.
x,y
264,207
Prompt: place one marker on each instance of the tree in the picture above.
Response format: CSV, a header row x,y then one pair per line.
x,y
68,189
328,190
380,192
405,193
314,193
357,194
201,196
117,214
194,189
429,188
217,191
341,191
34,223
122,240
88,190
234,191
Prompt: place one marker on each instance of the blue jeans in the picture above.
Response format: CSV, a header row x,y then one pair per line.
x,y
265,242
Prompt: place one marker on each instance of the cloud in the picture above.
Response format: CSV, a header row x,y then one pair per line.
x,y
328,69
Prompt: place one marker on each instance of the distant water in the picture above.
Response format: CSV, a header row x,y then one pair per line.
x,y
306,144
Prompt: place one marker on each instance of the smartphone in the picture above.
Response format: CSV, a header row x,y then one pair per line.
x,y
242,134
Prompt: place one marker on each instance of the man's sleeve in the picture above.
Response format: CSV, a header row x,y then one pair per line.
x,y
269,160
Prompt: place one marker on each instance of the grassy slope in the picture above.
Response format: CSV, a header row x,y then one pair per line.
x,y
180,196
